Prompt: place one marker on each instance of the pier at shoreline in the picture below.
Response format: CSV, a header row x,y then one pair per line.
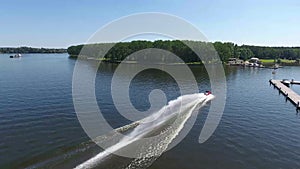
x,y
287,92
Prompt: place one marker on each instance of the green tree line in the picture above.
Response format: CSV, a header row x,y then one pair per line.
x,y
225,50
31,50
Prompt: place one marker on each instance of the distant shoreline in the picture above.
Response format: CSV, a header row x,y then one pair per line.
x,y
225,50
129,62
35,53
266,64
27,50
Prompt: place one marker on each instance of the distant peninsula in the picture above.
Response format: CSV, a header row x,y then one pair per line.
x,y
31,50
226,50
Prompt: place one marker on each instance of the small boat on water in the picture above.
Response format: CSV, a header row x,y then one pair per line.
x,y
16,56
273,72
286,82
275,66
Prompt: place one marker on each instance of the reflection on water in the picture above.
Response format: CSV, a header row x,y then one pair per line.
x,y
38,123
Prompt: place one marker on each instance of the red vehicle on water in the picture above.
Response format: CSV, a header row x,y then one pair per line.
x,y
207,93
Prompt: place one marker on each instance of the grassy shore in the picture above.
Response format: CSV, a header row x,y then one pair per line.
x,y
284,62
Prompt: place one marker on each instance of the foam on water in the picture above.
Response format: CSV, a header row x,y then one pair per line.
x,y
168,122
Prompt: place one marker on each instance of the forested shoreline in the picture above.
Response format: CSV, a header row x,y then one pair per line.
x,y
31,50
225,50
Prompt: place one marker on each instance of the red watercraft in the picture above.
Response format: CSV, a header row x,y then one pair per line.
x,y
207,93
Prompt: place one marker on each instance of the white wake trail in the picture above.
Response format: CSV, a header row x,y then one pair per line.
x,y
180,108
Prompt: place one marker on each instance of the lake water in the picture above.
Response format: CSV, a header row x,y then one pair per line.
x,y
39,127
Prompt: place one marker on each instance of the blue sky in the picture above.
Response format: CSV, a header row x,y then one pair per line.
x,y
61,23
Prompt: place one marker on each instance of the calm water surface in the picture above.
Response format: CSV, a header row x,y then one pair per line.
x,y
259,129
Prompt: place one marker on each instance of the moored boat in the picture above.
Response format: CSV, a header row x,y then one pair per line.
x,y
16,56
286,82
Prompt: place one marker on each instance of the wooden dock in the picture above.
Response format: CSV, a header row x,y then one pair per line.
x,y
287,92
